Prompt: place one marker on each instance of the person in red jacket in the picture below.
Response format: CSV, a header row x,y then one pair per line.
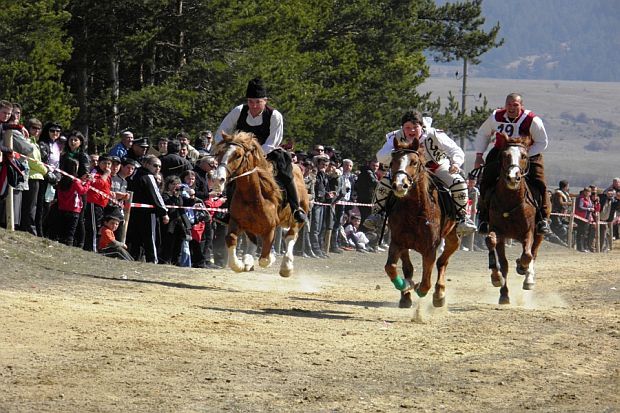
x,y
96,201
69,193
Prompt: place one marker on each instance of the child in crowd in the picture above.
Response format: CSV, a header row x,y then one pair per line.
x,y
69,193
178,230
96,201
355,237
108,245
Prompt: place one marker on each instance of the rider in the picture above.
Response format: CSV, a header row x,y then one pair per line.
x,y
515,121
444,160
266,124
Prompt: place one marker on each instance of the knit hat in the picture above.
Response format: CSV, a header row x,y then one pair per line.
x,y
256,89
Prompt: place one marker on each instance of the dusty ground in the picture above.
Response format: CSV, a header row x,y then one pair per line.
x,y
76,337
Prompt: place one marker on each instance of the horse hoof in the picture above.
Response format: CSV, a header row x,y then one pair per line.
x,y
520,269
504,300
528,286
405,300
439,302
496,281
420,293
285,273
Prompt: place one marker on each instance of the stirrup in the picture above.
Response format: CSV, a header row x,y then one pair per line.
x,y
542,227
300,216
483,227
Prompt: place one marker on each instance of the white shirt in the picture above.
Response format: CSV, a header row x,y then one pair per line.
x,y
276,127
486,132
436,143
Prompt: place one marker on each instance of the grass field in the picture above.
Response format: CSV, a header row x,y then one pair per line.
x,y
578,116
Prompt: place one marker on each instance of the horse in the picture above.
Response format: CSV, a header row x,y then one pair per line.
x,y
512,214
418,222
256,207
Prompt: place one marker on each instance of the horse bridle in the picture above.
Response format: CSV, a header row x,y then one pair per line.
x,y
527,167
402,171
233,174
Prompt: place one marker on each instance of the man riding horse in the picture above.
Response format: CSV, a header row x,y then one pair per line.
x,y
444,157
266,124
514,121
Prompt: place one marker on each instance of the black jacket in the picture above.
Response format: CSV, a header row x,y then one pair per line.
x,y
146,191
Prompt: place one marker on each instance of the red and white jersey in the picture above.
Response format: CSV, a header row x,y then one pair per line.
x,y
528,123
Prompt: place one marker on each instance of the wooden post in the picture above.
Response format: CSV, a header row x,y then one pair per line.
x,y
597,233
127,214
571,222
8,202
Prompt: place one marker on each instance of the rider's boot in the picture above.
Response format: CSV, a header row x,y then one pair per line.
x,y
379,201
465,224
542,227
291,192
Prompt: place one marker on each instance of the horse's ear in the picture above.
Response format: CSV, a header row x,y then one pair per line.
x,y
396,143
415,144
528,141
226,137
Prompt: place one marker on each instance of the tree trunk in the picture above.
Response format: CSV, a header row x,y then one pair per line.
x,y
115,93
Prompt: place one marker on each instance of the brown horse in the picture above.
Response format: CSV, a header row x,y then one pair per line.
x,y
256,205
512,214
417,222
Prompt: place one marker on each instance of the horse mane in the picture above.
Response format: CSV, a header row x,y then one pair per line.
x,y
256,157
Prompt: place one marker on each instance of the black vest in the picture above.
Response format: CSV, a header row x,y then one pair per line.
x,y
261,131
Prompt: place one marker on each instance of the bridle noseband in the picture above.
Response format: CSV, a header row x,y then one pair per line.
x,y
403,171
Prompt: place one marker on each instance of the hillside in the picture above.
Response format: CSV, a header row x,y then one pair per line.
x,y
580,118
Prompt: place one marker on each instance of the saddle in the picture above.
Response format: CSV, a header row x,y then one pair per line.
x,y
446,203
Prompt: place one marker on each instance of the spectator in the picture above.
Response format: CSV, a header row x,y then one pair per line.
x,y
560,208
208,146
94,161
35,178
173,163
70,201
108,245
51,148
122,148
345,184
23,149
96,201
355,237
162,146
204,170
142,231
192,153
178,229
365,187
321,195
584,210
138,150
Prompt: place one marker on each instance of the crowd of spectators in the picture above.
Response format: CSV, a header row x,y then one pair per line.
x,y
175,218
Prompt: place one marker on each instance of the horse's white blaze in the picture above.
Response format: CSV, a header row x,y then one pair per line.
x,y
400,189
513,174
220,177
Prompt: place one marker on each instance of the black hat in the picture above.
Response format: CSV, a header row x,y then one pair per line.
x,y
114,213
256,89
142,142
104,157
130,161
115,159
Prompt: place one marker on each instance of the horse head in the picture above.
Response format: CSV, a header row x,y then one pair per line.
x,y
406,166
236,154
514,160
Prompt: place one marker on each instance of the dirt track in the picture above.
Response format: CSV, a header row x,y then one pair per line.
x,y
76,337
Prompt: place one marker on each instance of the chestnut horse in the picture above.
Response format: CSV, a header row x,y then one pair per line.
x,y
512,214
256,205
417,222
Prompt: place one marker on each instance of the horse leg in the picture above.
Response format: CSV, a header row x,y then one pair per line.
x,y
231,244
503,264
428,263
451,244
266,256
530,278
525,264
491,241
394,254
286,268
250,251
405,296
